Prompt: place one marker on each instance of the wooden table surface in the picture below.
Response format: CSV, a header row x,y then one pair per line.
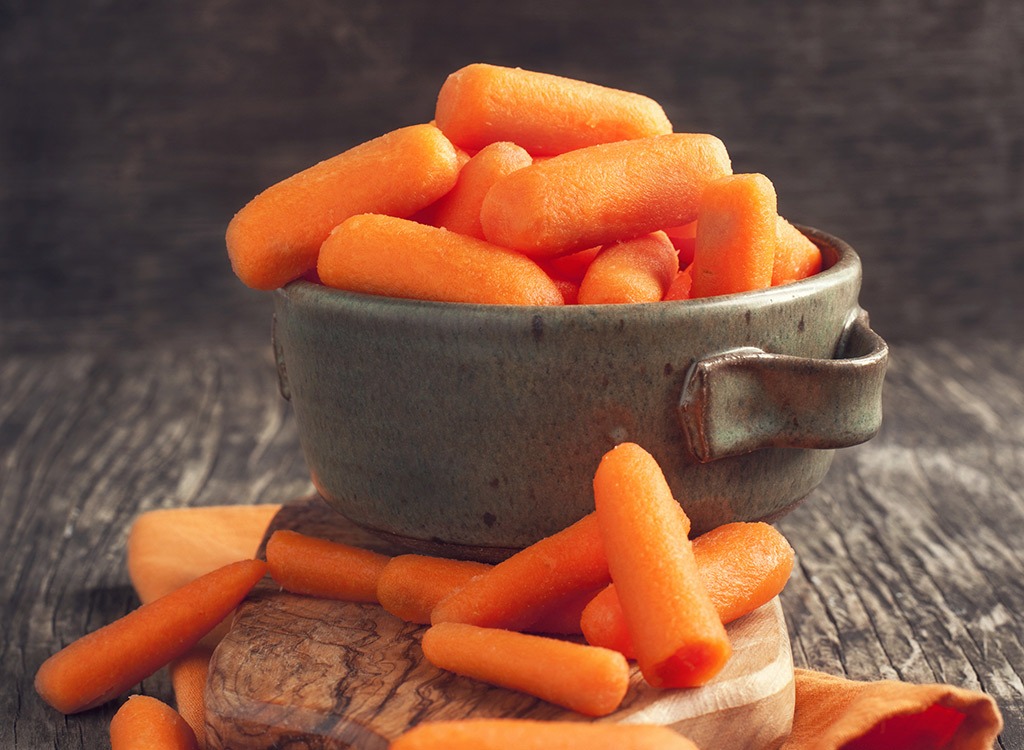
x,y
136,372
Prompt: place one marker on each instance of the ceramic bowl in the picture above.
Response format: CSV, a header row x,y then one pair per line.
x,y
476,429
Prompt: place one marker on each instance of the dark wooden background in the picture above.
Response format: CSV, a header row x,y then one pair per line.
x,y
135,371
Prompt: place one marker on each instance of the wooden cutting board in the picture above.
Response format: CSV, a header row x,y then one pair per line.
x,y
297,672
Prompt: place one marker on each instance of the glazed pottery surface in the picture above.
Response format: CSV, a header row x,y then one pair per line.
x,y
476,429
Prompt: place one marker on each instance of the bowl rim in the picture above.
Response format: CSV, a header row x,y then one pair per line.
x,y
845,267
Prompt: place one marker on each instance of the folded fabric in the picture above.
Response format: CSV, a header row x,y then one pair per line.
x,y
167,548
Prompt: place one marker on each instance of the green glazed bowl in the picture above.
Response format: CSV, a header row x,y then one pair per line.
x,y
474,430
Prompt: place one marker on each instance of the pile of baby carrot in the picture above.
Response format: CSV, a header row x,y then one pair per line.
x,y
528,189
626,577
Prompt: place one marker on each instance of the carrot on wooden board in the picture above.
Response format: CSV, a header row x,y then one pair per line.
x,y
601,194
680,286
188,678
678,637
276,236
410,586
684,238
459,209
144,723
735,248
108,661
528,734
308,565
545,114
631,271
796,257
742,566
586,679
393,257
518,591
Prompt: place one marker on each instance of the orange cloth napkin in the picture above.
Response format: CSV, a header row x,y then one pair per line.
x,y
167,548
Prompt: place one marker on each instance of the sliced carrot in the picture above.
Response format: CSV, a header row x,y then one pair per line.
x,y
572,267
742,566
684,238
459,209
108,661
796,257
276,236
526,734
679,639
410,586
145,723
680,286
188,678
735,247
517,592
587,679
545,114
394,257
602,194
319,567
632,271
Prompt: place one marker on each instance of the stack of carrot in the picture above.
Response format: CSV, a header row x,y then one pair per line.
x,y
526,189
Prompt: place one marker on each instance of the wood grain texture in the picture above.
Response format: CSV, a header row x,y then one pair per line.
x,y
301,672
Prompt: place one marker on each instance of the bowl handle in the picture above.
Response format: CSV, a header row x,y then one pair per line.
x,y
745,399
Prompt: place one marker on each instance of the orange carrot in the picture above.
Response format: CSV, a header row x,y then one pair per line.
x,y
459,209
276,236
410,586
318,567
108,661
602,194
545,114
527,734
587,679
679,639
796,257
680,286
684,238
638,270
144,723
570,290
742,566
393,257
563,617
735,247
188,678
515,593
572,267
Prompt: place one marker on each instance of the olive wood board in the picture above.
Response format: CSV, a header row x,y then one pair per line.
x,y
298,672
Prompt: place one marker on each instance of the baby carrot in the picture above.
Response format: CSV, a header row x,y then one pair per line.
x,y
684,238
410,586
527,734
680,286
570,290
188,678
545,114
679,639
108,661
742,566
394,257
796,257
572,267
515,593
638,270
318,567
586,679
276,236
459,209
735,247
602,194
144,723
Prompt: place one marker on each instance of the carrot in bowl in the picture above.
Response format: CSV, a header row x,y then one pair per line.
x,y
275,238
586,679
677,634
601,194
796,257
394,257
529,734
108,661
638,270
545,114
